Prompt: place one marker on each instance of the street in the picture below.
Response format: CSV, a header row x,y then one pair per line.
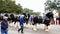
x,y
54,29
30,16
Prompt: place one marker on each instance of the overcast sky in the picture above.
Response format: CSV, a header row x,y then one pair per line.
x,y
36,5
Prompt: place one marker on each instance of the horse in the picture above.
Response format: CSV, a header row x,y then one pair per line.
x,y
26,17
46,21
12,18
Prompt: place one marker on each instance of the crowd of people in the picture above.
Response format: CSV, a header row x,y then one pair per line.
x,y
24,19
6,19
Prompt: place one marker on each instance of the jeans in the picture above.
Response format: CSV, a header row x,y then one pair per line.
x,y
21,29
4,31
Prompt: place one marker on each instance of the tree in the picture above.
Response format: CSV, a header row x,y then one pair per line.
x,y
36,13
58,12
9,6
28,11
53,5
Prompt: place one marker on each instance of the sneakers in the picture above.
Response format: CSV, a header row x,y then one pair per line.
x,y
18,30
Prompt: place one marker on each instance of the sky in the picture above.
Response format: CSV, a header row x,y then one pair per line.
x,y
36,5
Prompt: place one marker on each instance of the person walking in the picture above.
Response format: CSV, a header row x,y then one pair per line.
x,y
4,26
21,23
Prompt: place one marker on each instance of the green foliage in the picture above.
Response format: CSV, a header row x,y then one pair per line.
x,y
29,11
10,7
36,13
53,5
58,11
26,10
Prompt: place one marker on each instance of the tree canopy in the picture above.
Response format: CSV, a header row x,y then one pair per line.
x,y
10,7
30,11
53,5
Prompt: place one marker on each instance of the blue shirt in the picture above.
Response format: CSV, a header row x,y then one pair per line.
x,y
4,25
21,21
31,19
